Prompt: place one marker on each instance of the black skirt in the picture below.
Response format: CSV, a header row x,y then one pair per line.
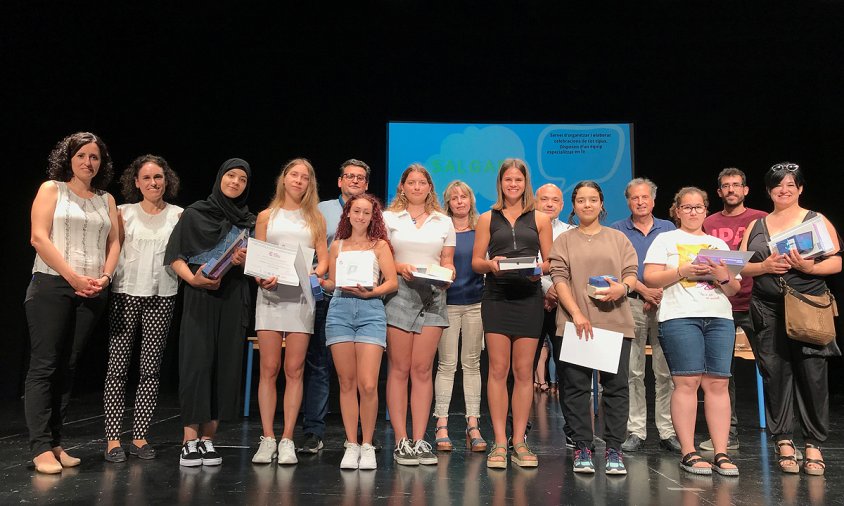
x,y
512,306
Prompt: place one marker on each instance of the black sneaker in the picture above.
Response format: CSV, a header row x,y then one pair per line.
x,y
312,444
210,457
190,456
404,454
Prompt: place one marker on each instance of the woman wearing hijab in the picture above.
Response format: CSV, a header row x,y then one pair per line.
x,y
215,311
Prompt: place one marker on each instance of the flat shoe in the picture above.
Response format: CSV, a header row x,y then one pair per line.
x,y
688,464
66,460
49,467
115,455
145,452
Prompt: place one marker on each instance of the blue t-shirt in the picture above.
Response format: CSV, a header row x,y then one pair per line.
x,y
468,286
642,242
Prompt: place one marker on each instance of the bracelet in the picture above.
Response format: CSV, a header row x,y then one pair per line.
x,y
110,279
627,290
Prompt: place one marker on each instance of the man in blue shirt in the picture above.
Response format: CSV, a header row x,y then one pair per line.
x,y
353,180
642,228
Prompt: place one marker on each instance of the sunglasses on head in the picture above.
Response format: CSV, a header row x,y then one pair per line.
x,y
790,167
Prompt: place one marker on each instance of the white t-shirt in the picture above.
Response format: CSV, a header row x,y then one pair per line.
x,y
421,246
688,299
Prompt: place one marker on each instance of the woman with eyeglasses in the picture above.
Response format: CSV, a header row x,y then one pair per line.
x,y
696,328
791,371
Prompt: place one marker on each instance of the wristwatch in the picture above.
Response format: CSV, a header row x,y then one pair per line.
x,y
626,290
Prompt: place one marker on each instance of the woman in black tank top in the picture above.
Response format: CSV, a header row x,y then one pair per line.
x,y
790,369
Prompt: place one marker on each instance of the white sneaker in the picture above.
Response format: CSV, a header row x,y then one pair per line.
x,y
367,457
287,452
267,451
350,457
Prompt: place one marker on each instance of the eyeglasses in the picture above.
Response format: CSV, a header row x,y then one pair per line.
x,y
354,177
790,167
688,209
727,186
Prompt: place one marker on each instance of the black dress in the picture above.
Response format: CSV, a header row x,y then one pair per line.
x,y
512,304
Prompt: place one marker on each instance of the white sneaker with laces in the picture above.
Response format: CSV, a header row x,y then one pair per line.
x,y
287,452
367,457
267,451
350,457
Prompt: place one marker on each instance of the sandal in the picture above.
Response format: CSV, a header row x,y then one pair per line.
x,y
443,443
815,471
687,463
719,461
497,457
525,458
787,463
475,444
543,388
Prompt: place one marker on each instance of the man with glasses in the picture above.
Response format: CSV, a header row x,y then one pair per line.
x,y
353,180
729,225
642,228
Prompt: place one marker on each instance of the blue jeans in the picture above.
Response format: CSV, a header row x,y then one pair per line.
x,y
695,346
317,375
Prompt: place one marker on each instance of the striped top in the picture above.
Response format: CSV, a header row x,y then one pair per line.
x,y
80,232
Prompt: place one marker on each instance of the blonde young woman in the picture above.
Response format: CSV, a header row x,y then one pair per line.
x,y
463,302
421,234
282,314
512,307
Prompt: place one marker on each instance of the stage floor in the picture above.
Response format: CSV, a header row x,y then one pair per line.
x,y
460,478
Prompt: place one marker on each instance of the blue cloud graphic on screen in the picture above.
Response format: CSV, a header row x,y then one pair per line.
x,y
474,155
571,153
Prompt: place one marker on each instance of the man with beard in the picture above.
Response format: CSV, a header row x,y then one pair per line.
x,y
730,225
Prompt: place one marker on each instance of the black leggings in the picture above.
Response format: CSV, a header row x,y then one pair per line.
x,y
154,314
60,323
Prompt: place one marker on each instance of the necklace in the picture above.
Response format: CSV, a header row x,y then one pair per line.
x,y
464,229
588,236
414,218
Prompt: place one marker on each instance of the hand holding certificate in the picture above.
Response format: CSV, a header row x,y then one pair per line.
x,y
601,353
267,260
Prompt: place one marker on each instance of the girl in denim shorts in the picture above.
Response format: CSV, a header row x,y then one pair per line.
x,y
356,324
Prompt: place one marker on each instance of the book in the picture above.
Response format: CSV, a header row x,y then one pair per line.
x,y
434,274
811,239
734,260
219,266
596,283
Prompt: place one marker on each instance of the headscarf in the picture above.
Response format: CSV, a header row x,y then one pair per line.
x,y
207,222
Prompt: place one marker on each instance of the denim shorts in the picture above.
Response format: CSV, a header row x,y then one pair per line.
x,y
695,346
354,320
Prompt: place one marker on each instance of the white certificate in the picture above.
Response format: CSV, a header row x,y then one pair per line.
x,y
602,352
355,268
265,260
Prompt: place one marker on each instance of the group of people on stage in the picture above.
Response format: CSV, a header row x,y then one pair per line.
x,y
87,247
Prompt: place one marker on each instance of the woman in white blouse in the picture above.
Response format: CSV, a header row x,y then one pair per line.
x,y
421,235
143,294
74,233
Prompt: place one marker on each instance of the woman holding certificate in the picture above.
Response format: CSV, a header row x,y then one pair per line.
x,y
283,315
144,294
790,369
74,233
214,311
696,328
578,256
356,324
422,237
463,299
511,308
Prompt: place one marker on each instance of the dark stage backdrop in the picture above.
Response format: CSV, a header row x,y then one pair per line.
x,y
706,85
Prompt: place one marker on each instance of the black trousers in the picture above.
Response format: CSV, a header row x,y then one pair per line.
x,y
741,319
789,376
576,385
60,323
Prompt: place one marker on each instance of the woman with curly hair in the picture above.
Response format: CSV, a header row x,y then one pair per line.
x,y
75,236
356,325
421,235
282,313
143,293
